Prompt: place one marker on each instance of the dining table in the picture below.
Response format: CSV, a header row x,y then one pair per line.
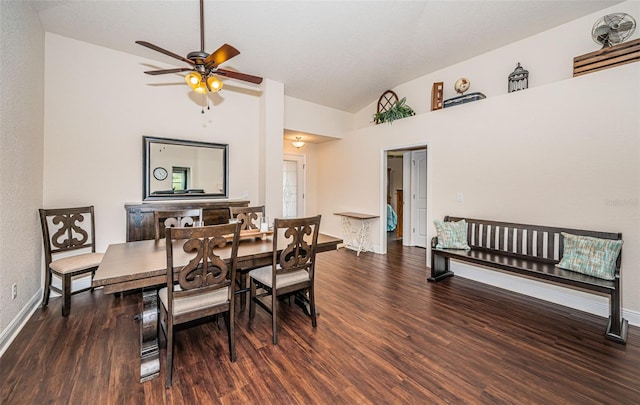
x,y
142,265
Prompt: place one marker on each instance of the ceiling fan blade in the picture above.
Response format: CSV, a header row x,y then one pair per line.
x,y
165,71
239,76
220,55
164,51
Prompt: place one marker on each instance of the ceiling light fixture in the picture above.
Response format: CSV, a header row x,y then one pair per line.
x,y
298,143
203,86
204,68
213,84
193,79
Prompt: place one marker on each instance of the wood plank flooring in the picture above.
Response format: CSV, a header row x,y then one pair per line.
x,y
384,336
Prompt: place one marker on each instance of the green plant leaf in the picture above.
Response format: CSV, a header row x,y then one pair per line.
x,y
397,111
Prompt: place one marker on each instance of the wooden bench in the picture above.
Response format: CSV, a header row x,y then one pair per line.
x,y
531,251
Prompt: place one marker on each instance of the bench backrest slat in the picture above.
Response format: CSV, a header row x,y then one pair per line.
x,y
521,240
529,251
551,244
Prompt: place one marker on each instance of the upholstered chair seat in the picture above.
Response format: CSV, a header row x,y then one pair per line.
x,y
263,275
194,303
76,263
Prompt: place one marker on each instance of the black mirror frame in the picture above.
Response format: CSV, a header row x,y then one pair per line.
x,y
146,170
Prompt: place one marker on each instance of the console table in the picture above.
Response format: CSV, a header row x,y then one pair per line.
x,y
140,224
356,238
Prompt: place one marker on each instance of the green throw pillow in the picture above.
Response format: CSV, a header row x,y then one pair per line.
x,y
592,256
452,235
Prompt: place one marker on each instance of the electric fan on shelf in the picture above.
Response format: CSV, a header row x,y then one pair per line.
x,y
613,29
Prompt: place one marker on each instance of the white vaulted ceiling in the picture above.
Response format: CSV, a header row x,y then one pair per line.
x,y
341,54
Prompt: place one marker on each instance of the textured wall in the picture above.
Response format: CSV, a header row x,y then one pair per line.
x,y
21,151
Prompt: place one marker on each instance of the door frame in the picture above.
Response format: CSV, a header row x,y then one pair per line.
x,y
302,180
406,181
414,226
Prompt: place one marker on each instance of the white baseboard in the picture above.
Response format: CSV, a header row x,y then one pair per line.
x,y
15,326
591,303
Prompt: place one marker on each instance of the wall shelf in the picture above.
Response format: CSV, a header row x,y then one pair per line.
x,y
617,55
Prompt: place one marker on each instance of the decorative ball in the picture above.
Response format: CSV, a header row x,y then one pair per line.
x,y
462,85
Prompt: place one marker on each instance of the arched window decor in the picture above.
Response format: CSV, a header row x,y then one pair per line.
x,y
390,108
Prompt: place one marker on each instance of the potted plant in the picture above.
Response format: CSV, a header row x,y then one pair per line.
x,y
397,111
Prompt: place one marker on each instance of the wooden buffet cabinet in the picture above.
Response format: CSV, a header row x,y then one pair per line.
x,y
140,224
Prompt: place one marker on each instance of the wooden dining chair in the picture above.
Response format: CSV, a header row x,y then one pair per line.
x,y
69,250
205,284
249,217
291,271
174,218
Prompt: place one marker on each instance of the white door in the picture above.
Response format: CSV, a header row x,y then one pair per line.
x,y
293,186
419,198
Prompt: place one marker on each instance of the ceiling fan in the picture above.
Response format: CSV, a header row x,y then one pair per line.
x,y
203,66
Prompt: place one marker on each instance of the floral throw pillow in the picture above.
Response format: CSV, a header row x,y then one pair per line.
x,y
592,256
452,235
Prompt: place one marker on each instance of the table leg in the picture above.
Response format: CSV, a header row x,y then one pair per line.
x,y
149,349
347,230
362,235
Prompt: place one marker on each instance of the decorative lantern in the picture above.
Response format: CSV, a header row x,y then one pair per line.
x,y
518,79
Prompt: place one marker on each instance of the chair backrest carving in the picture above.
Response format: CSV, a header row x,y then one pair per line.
x,y
301,235
211,262
249,217
173,219
65,229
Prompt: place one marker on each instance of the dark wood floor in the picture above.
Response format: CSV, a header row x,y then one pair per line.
x,y
384,335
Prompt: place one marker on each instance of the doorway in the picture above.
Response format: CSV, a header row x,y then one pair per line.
x,y
406,196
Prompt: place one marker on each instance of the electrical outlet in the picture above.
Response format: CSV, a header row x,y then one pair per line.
x,y
14,291
459,197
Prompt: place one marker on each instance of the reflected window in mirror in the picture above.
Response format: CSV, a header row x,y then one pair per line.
x,y
178,169
180,176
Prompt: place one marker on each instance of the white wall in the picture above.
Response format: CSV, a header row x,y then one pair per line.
x,y
270,139
21,131
547,56
564,152
99,104
558,155
303,116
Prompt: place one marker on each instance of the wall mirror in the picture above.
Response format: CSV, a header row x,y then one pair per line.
x,y
179,169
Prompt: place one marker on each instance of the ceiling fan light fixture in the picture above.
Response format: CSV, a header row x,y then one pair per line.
x,y
298,143
203,66
201,88
193,79
214,84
